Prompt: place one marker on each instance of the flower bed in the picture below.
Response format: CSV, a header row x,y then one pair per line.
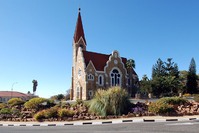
x,y
80,111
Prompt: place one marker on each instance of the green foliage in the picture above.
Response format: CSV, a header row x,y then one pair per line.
x,y
113,101
166,105
65,113
34,103
192,78
51,113
78,101
15,101
196,98
160,108
145,85
158,69
165,78
39,116
2,105
35,84
58,97
173,100
130,63
5,111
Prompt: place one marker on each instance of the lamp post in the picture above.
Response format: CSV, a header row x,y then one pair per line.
x,y
12,88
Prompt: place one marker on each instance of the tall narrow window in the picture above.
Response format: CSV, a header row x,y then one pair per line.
x,y
101,80
115,78
78,92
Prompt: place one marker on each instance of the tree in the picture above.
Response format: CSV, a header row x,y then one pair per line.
x,y
158,69
183,80
68,94
132,88
35,83
171,68
58,97
145,85
192,78
130,63
165,78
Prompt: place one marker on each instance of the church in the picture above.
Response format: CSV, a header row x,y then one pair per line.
x,y
93,70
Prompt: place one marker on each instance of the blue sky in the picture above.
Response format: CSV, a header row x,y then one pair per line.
x,y
36,37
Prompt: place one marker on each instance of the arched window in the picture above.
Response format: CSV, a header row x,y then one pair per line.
x,y
115,78
101,80
90,77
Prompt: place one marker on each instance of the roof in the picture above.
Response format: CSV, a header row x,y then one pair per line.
x,y
79,30
13,94
99,60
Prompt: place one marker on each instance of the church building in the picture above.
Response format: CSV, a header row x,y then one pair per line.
x,y
92,70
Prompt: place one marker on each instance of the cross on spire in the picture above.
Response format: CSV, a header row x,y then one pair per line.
x,y
79,30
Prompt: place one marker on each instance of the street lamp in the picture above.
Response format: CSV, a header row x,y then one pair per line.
x,y
12,88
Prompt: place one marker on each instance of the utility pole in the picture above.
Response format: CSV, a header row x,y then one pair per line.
x,y
12,88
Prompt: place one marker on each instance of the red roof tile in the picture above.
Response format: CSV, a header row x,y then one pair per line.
x,y
14,94
98,60
79,30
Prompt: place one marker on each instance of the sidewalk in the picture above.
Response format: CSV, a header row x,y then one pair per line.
x,y
99,122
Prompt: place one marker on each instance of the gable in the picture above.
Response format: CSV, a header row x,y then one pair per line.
x,y
99,60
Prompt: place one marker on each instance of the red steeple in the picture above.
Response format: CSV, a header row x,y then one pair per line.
x,y
79,30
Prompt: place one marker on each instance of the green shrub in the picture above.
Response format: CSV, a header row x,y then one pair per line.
x,y
166,105
15,101
2,105
35,103
5,111
161,108
65,113
196,97
39,116
114,101
78,101
65,105
51,113
173,100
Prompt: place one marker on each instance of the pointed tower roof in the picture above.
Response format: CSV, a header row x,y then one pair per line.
x,y
79,30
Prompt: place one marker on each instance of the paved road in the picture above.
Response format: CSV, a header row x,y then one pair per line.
x,y
161,127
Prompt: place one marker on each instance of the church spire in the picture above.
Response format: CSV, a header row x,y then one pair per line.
x,y
79,30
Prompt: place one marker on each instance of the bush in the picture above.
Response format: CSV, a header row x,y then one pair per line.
x,y
51,113
161,108
34,103
165,106
5,111
196,97
2,105
114,101
173,100
15,101
39,116
65,113
186,95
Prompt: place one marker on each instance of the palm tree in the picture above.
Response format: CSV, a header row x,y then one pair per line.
x,y
35,83
130,63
